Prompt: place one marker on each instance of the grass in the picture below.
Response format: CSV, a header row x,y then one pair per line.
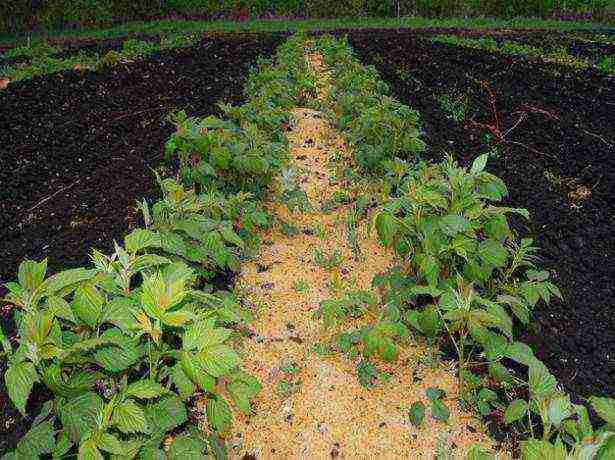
x,y
276,25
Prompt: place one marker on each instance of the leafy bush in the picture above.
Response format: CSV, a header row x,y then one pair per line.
x,y
122,346
126,345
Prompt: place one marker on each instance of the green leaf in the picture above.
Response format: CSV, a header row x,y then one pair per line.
x,y
535,449
242,389
166,415
434,393
67,280
218,414
542,383
144,261
128,417
31,274
88,305
182,382
479,164
387,227
452,224
63,445
605,407
559,409
229,235
521,353
515,411
118,359
417,413
38,441
78,415
145,389
88,450
439,411
218,360
202,335
499,372
109,443
19,379
120,312
476,452
141,239
492,253
186,447
194,368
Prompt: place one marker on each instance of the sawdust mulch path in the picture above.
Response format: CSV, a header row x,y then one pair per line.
x,y
312,406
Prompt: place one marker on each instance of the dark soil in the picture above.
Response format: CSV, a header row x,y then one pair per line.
x,y
78,151
575,143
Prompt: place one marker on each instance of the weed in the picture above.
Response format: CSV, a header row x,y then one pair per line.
x,y
454,105
301,287
328,262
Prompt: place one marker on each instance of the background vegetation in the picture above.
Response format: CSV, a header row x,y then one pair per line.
x,y
23,15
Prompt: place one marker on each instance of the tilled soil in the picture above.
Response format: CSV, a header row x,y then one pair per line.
x,y
559,164
78,151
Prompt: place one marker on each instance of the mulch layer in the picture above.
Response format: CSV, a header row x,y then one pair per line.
x,y
569,137
78,149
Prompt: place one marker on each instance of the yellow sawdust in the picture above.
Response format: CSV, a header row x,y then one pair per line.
x,y
330,414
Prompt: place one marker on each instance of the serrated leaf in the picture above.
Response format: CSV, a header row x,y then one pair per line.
x,y
387,227
88,305
78,415
185,387
194,368
120,312
109,443
218,359
129,418
62,446
67,280
605,407
19,379
479,164
229,235
31,274
144,261
118,359
88,450
559,408
493,253
434,393
542,384
145,389
166,415
218,414
141,239
499,372
439,411
417,413
186,448
452,224
515,411
535,449
36,442
521,353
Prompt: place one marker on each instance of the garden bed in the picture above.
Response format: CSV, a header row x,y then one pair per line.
x,y
80,148
577,154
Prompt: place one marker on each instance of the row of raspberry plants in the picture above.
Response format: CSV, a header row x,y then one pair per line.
x,y
462,276
137,349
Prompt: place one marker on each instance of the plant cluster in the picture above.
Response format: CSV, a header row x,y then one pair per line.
x,y
464,279
509,48
41,60
139,345
376,127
